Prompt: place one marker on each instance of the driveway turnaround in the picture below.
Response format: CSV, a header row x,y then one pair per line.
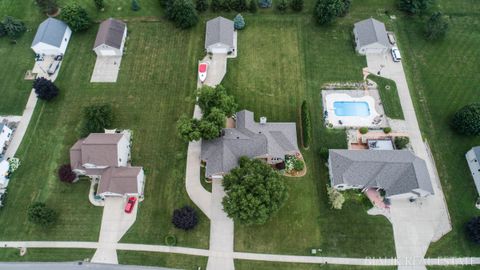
x,y
115,223
415,224
106,69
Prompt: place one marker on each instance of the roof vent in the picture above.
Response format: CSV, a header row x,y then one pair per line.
x,y
263,120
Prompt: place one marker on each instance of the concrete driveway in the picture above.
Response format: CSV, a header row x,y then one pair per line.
x,y
217,68
415,225
106,69
115,223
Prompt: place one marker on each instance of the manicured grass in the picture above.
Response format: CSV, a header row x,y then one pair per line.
x,y
145,99
272,78
389,95
442,80
177,261
259,265
45,255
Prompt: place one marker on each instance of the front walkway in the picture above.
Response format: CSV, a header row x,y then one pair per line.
x,y
415,225
115,223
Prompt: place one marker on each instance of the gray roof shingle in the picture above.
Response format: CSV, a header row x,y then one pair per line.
x,y
250,139
111,33
396,171
370,31
50,31
219,30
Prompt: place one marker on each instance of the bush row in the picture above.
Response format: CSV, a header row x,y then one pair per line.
x,y
306,124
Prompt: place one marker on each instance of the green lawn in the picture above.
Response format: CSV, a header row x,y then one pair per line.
x,y
442,80
180,261
259,265
145,99
273,83
389,95
45,255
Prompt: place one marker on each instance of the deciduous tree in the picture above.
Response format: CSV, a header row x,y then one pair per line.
x,y
185,218
473,230
97,118
201,5
254,192
414,6
436,26
76,17
45,89
467,120
252,7
296,5
66,174
326,11
335,198
182,13
48,6
42,215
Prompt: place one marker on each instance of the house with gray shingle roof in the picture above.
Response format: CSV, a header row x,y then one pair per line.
x,y
105,157
473,159
110,38
370,36
219,36
399,173
52,38
268,141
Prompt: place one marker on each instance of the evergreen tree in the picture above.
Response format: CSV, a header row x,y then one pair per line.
x,y
201,5
238,22
296,5
436,26
252,7
216,5
183,13
282,5
135,5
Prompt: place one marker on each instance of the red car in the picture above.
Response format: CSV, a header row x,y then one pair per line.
x,y
130,204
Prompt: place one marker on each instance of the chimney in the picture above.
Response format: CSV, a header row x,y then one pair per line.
x,y
263,120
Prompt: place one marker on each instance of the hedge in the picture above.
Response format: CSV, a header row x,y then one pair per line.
x,y
306,124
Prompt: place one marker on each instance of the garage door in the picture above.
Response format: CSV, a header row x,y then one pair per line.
x,y
107,52
219,50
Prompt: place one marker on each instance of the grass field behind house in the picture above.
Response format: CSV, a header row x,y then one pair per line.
x,y
442,80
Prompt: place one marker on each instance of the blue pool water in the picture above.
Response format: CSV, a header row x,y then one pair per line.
x,y
351,108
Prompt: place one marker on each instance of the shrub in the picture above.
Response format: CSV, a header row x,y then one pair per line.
x,y
45,89
13,164
48,6
436,26
216,5
306,124
170,240
185,218
97,118
252,7
240,5
324,153
3,32
473,230
76,17
238,22
298,165
264,188
326,11
282,5
297,5
13,27
135,5
183,13
335,198
401,142
363,130
345,8
387,130
201,5
66,174
292,163
414,6
467,120
99,4
227,5
38,213
265,3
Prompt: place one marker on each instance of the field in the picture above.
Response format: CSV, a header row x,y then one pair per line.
x,y
443,80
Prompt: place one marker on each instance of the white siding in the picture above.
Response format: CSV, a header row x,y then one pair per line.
x,y
123,151
219,48
474,166
5,136
47,49
372,48
140,182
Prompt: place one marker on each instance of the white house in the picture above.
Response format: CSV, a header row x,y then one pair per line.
x,y
52,38
219,36
110,38
370,37
4,168
473,159
105,157
5,136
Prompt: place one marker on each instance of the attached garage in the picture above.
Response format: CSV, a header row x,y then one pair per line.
x,y
370,37
219,36
110,38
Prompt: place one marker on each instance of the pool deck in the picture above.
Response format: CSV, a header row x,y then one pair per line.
x,y
370,96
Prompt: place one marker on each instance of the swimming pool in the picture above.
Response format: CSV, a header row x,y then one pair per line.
x,y
351,108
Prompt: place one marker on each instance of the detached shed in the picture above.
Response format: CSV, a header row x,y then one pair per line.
x,y
52,37
370,36
219,36
110,38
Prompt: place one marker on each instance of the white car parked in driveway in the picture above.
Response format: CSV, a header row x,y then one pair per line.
x,y
396,54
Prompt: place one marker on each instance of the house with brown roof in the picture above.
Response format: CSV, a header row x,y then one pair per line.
x,y
110,38
106,157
